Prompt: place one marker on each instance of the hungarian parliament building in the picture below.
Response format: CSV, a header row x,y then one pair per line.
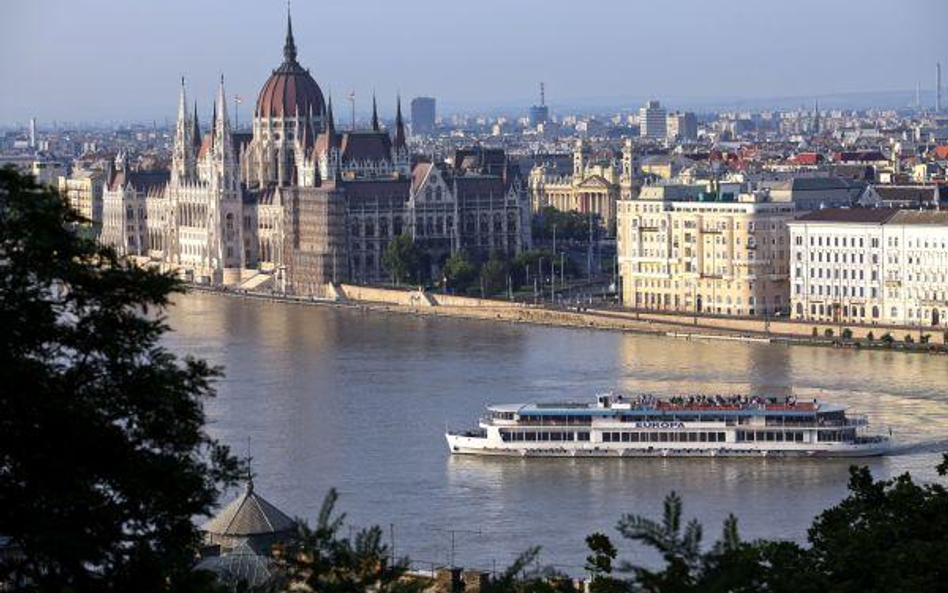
x,y
294,204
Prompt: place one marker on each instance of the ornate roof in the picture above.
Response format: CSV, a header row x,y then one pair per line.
x,y
249,514
290,90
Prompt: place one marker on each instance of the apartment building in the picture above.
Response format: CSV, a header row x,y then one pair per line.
x,y
880,265
714,252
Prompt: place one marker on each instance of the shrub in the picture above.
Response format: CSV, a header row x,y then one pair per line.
x,y
828,332
887,339
847,334
871,336
816,332
924,338
908,339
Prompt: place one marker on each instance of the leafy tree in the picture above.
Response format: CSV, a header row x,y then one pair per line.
x,y
520,578
402,259
104,457
887,535
494,274
460,271
528,260
887,339
570,226
320,559
846,334
871,336
909,339
599,565
828,332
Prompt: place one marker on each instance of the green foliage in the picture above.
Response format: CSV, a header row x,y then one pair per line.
x,y
828,332
887,339
494,274
815,332
889,535
846,334
320,559
924,338
870,336
459,271
402,259
519,577
908,339
529,260
570,226
599,565
105,458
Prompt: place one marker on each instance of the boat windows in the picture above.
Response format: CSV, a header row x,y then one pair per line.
x,y
582,436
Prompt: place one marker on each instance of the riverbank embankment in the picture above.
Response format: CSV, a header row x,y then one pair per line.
x,y
676,325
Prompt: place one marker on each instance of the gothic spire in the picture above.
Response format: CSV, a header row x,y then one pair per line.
x,y
182,104
375,115
289,48
330,124
399,125
195,128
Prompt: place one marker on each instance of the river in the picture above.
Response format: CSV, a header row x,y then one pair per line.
x,y
359,401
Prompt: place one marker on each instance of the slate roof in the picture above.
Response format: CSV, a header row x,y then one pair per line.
x,y
921,217
853,215
366,146
248,514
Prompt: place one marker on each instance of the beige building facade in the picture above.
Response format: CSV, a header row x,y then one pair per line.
x,y
83,190
593,187
705,254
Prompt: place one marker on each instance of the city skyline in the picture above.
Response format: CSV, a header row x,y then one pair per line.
x,y
757,58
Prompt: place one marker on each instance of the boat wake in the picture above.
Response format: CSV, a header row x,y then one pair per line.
x,y
928,446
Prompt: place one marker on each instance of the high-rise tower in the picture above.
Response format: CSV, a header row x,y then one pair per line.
x,y
937,87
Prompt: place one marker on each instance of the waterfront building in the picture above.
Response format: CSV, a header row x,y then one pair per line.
x,y
652,122
872,266
592,187
706,252
294,204
83,189
422,116
836,260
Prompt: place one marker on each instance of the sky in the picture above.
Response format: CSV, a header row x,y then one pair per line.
x,y
118,60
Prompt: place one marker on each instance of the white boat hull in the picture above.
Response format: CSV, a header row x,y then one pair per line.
x,y
468,445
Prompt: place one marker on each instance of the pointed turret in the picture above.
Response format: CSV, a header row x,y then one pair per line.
x,y
195,130
289,48
183,153
330,122
223,141
375,115
400,143
182,104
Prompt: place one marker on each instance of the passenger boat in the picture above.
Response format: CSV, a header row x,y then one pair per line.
x,y
648,426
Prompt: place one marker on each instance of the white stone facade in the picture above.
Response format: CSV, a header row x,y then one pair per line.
x,y
871,266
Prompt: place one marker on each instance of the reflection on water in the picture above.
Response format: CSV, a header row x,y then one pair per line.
x,y
359,401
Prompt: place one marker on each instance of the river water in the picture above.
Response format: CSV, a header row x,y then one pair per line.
x,y
359,401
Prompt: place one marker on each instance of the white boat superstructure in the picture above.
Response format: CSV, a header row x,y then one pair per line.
x,y
698,426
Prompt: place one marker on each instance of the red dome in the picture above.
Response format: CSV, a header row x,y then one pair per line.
x,y
290,90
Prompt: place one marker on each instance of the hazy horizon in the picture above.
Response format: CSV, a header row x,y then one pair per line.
x,y
113,60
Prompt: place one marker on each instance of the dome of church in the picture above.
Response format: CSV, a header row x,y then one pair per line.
x,y
290,90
